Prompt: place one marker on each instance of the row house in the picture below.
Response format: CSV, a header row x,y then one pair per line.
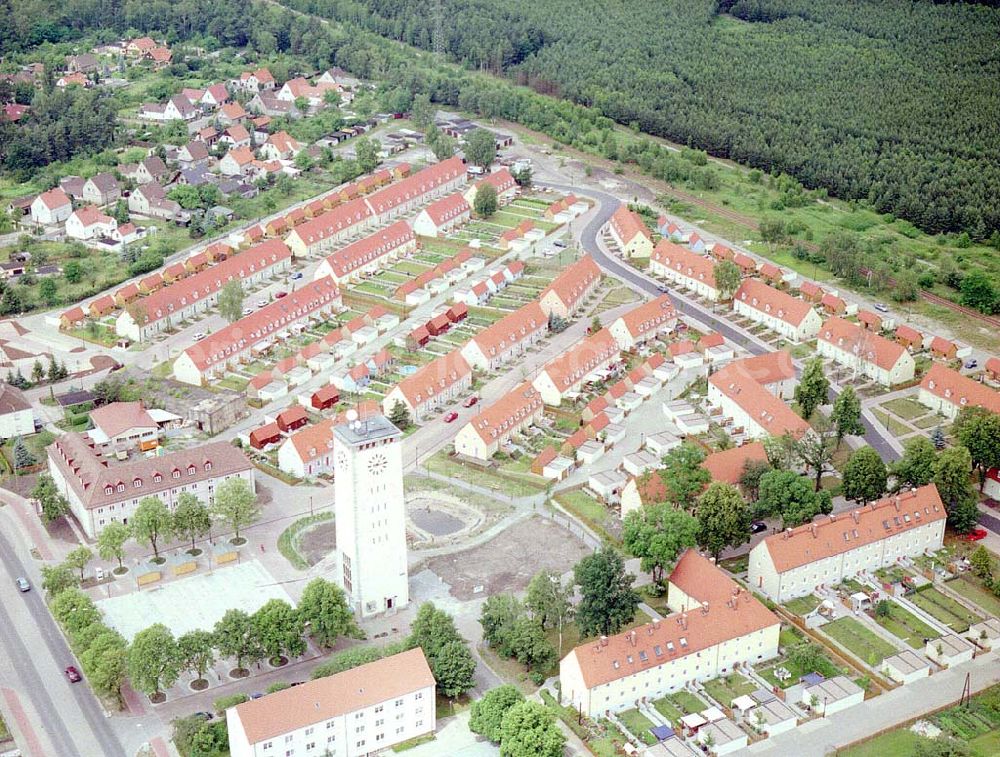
x,y
413,191
644,322
501,180
630,233
256,332
441,216
435,384
506,339
369,254
792,318
947,391
562,378
194,294
321,233
570,289
864,352
494,426
685,269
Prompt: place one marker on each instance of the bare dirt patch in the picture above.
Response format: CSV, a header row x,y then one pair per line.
x,y
317,542
508,561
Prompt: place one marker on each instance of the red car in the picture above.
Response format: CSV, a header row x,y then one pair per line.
x,y
450,417
73,674
975,534
471,401
279,295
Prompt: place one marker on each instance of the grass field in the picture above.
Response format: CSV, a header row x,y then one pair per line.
x,y
727,688
862,642
510,484
824,666
638,724
970,588
803,605
675,706
906,408
945,609
590,511
907,626
895,427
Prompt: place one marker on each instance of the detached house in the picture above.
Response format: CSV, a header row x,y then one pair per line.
x,y
794,319
151,169
280,146
260,80
866,353
101,189
90,223
237,162
51,207
150,200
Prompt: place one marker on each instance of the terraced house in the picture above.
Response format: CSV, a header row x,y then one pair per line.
x,y
567,293
368,254
794,319
864,352
684,268
563,377
506,339
798,560
482,437
438,382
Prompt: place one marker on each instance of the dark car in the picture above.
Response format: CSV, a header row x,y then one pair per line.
x,y
73,674
256,695
203,715
758,527
971,363
279,295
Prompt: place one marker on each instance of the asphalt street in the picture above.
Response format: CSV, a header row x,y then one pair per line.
x,y
589,238
36,651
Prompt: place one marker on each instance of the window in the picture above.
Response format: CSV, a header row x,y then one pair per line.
x,y
175,473
137,482
120,487
157,478
267,745
208,465
191,470
309,731
288,738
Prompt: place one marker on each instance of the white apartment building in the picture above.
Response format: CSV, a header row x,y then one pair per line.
x,y
563,377
865,352
100,490
16,415
359,712
506,339
644,322
793,563
684,268
794,319
439,382
482,436
370,515
715,626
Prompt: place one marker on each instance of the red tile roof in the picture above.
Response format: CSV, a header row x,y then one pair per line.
x,y
54,198
511,329
627,225
385,241
649,316
689,264
869,346
743,382
121,416
447,209
507,413
766,299
959,390
727,465
345,216
434,378
574,281
416,186
578,361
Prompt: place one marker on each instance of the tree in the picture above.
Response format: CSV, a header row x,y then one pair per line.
x,y
786,494
366,153
772,231
74,610
683,475
727,278
815,452
454,668
724,518
657,534
432,629
608,603
323,608
111,541
151,522
153,660
480,148
982,563
234,637
278,628
497,617
523,178
48,291
916,466
53,504
422,112
812,388
753,470
399,416
487,713
548,598
486,202
22,455
191,518
528,644
865,476
79,558
883,608
72,271
951,475
528,729
236,504
231,300
978,430
441,144
846,414
105,661
196,651
37,373
58,578
979,291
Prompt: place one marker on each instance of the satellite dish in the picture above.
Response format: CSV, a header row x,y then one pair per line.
x,y
351,415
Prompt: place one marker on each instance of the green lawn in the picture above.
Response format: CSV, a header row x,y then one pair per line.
x,y
638,724
906,408
861,641
898,743
906,625
503,484
970,588
945,609
590,511
891,423
824,666
675,706
803,605
725,689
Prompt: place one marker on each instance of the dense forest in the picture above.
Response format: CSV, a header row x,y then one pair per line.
x,y
890,100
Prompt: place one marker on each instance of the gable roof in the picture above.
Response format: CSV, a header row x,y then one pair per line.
x,y
447,208
511,329
686,263
649,315
433,378
416,186
570,285
54,198
743,382
89,215
953,387
628,224
833,535
121,416
329,223
12,399
383,242
581,359
727,465
506,413
766,299
867,345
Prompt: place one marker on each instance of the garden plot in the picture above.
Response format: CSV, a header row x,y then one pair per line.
x,y
945,609
863,643
903,624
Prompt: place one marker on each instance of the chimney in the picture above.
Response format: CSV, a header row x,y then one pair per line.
x,y
604,641
787,533
704,608
597,648
895,502
812,529
683,620
656,624
649,629
857,516
631,637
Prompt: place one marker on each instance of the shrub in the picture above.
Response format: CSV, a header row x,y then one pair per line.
x,y
224,703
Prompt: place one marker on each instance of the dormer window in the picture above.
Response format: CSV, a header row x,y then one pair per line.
x,y
137,483
175,473
157,478
120,487
191,470
109,490
208,465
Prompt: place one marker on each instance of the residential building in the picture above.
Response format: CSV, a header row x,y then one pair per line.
x,y
256,332
441,216
370,514
16,415
281,146
437,383
796,561
359,712
193,154
865,352
751,394
260,80
501,180
319,234
792,318
89,223
631,233
414,191
51,207
189,296
947,391
151,200
507,338
123,426
644,322
562,378
237,162
567,293
150,169
493,426
684,268
715,627
368,254
101,189
101,490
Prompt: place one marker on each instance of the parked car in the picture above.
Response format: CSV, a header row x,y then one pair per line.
x,y
881,307
758,526
73,674
559,243
256,695
261,303
663,287
450,417
22,584
976,534
971,363
279,295
247,311
470,401
297,275
199,336
203,715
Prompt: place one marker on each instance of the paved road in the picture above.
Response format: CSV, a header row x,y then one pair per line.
x,y
37,653
881,441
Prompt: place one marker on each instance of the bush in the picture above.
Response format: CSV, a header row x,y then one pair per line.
x,y
537,677
224,703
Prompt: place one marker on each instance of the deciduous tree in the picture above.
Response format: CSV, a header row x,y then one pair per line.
x,y
79,558
978,430
54,505
724,518
846,414
324,609
487,713
657,534
196,650
153,660
811,390
486,202
235,637
231,300
480,148
790,496
278,628
916,466
528,729
727,278
608,603
151,522
683,474
111,541
454,668
236,504
951,475
192,519
865,476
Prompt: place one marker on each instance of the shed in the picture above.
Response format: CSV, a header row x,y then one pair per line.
x,y
906,667
949,650
292,418
325,398
833,695
265,435
772,717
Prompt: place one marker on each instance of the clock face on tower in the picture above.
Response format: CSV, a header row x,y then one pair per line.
x,y
377,464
